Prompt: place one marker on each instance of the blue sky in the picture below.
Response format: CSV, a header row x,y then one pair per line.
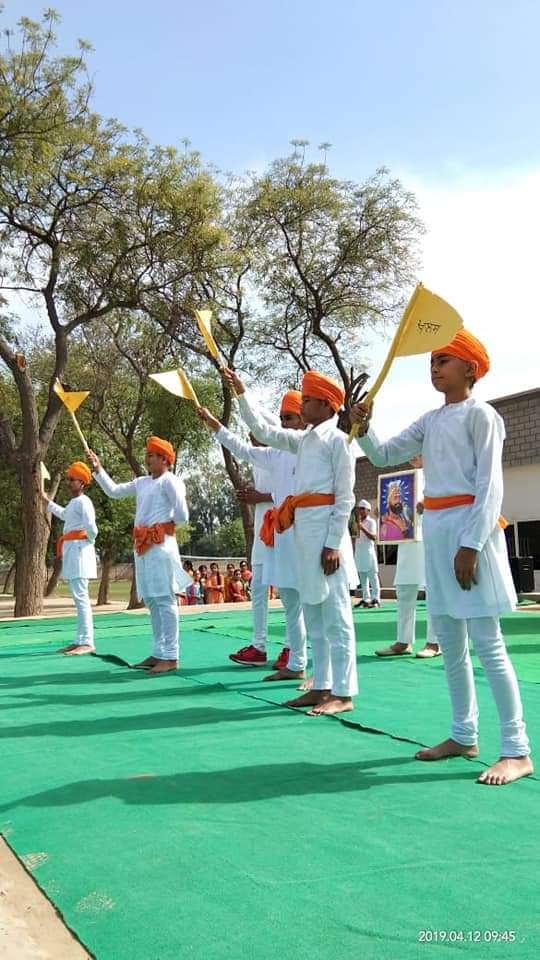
x,y
443,92
429,85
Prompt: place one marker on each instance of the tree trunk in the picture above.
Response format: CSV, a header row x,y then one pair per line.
x,y
134,602
107,561
31,569
9,575
246,514
246,510
54,577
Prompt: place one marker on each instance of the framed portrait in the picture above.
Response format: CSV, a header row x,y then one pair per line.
x,y
397,496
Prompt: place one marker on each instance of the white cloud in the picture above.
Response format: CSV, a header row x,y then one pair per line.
x,y
480,253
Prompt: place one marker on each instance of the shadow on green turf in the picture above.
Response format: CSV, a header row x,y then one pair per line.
x,y
240,784
183,717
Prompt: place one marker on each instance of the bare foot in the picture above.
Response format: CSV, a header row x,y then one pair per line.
x,y
70,646
145,664
448,748
307,684
331,706
285,674
79,650
506,770
164,666
309,699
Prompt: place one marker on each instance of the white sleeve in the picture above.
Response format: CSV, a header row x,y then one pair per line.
x,y
404,446
488,438
57,511
257,456
274,436
88,517
174,489
115,490
343,466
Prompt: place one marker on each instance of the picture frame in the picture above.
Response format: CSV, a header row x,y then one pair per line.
x,y
397,497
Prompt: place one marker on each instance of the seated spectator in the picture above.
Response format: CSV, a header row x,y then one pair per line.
x,y
188,567
215,587
247,577
229,576
237,588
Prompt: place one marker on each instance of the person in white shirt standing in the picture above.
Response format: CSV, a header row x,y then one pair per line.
x,y
76,547
365,556
160,504
409,579
319,511
469,583
278,566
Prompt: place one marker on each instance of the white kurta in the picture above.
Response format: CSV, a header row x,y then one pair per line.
x,y
461,446
159,571
79,556
280,567
324,464
365,550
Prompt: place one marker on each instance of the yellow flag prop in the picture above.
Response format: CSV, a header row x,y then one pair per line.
x,y
176,382
44,474
72,401
204,323
428,324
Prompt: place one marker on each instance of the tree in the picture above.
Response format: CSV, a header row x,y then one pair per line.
x,y
90,223
332,260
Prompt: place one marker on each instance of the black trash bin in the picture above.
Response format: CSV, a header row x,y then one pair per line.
x,y
523,574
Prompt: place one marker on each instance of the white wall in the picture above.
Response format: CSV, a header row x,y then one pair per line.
x,y
522,493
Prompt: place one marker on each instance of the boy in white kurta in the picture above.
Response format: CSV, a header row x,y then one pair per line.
x,y
469,584
279,565
320,510
160,505
365,556
76,547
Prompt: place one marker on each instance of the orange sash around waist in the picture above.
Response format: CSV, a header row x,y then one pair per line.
x,y
146,537
460,500
279,519
72,535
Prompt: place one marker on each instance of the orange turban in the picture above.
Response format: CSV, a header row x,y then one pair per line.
x,y
468,348
323,388
163,447
79,471
291,402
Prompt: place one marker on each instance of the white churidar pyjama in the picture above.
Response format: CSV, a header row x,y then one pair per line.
x,y
369,579
406,594
259,607
164,619
330,628
485,633
85,624
296,631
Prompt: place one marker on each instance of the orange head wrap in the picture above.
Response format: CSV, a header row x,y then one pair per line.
x,y
79,471
468,348
163,447
323,388
291,402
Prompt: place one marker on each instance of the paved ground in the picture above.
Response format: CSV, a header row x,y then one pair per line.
x,y
30,927
64,606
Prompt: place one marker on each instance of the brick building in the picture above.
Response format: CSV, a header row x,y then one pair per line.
x,y
521,465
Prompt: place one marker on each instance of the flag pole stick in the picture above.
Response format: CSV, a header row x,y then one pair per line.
x,y
398,336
